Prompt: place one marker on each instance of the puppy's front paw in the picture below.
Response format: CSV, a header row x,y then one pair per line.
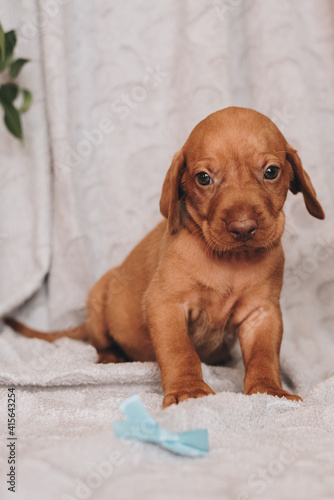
x,y
195,391
281,393
285,394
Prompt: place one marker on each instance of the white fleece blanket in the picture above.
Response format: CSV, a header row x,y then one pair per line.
x,y
260,446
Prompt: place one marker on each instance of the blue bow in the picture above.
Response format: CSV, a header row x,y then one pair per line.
x,y
140,425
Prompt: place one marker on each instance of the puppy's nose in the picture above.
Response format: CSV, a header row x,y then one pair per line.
x,y
242,230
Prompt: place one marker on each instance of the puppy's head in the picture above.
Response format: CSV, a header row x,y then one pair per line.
x,y
230,180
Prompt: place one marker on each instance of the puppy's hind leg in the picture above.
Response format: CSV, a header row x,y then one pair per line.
x,y
99,336
107,349
112,355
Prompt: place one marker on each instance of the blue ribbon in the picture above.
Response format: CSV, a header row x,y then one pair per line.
x,y
141,425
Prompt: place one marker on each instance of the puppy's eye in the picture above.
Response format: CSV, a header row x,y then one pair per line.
x,y
204,179
271,172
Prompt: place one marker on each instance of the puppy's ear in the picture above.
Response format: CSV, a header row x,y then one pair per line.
x,y
171,193
301,183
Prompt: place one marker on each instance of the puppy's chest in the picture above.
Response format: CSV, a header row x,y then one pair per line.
x,y
212,307
209,313
210,326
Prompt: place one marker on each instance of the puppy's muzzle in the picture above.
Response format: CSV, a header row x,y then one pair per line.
x,y
242,230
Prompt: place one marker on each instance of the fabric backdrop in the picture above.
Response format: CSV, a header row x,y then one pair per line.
x,y
117,88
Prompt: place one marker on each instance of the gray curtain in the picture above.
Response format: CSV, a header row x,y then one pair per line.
x,y
117,88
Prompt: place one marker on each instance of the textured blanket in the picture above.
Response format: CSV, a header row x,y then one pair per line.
x,y
260,446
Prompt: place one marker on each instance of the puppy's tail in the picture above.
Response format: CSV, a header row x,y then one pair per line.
x,y
77,333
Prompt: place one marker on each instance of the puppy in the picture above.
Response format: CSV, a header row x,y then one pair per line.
x,y
212,269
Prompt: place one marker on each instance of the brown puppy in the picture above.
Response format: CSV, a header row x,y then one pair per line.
x,y
214,267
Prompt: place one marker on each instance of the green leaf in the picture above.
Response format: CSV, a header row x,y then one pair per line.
x,y
10,42
16,66
27,98
12,120
2,44
8,92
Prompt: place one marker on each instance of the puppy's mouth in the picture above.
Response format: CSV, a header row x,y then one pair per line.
x,y
222,243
